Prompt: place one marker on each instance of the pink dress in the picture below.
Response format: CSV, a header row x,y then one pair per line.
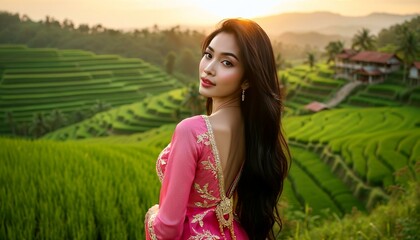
x,y
193,203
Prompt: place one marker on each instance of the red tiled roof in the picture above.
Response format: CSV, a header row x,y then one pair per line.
x,y
346,53
416,65
370,56
315,106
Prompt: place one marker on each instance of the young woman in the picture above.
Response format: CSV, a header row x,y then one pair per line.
x,y
222,174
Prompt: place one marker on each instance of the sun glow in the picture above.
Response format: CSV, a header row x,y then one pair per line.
x,y
245,9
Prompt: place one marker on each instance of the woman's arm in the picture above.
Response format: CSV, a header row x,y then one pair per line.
x,y
166,220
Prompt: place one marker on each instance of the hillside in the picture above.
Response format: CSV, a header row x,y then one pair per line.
x,y
311,39
40,80
141,116
328,23
305,85
113,185
336,153
344,160
151,44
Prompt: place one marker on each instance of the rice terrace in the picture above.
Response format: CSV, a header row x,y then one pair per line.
x,y
84,115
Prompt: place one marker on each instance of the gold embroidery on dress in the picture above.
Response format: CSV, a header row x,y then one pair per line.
x,y
161,162
204,192
204,204
208,165
150,226
205,235
199,218
159,172
204,138
224,207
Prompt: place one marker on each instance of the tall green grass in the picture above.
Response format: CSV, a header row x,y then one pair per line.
x,y
53,190
397,219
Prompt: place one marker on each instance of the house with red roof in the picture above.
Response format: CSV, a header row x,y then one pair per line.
x,y
365,66
414,74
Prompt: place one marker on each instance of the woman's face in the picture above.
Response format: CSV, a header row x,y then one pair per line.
x,y
221,70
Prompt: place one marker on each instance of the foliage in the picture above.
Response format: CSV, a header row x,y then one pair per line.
x,y
188,62
408,47
77,83
389,36
398,219
170,62
99,188
150,44
193,100
363,40
310,59
332,49
151,112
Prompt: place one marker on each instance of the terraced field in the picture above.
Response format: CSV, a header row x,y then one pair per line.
x,y
149,113
342,158
385,94
365,148
306,86
313,183
41,80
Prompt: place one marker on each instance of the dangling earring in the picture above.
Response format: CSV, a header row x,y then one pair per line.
x,y
243,95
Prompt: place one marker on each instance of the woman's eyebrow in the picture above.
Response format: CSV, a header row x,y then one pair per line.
x,y
225,53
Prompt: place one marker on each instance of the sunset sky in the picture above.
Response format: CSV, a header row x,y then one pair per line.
x,y
125,14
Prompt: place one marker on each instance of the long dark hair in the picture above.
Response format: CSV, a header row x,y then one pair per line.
x,y
267,154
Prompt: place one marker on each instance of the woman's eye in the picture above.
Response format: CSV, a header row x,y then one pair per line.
x,y
227,63
207,55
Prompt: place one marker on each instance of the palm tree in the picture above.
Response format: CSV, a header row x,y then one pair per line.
x,y
363,40
280,61
77,116
170,62
284,82
332,49
100,106
11,122
409,48
193,100
39,126
23,129
56,119
68,24
84,28
98,28
310,59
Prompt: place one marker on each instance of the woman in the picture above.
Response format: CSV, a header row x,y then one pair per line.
x,y
222,174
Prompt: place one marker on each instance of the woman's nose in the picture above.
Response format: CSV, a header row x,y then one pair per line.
x,y
209,69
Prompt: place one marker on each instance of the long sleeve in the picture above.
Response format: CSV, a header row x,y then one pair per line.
x,y
167,222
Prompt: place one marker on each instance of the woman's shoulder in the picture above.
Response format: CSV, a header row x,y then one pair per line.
x,y
190,125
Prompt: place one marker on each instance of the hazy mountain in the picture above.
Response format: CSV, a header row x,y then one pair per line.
x,y
328,23
310,38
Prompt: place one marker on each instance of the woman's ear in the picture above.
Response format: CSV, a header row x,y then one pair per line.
x,y
245,85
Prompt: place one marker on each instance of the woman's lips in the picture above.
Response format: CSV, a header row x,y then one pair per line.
x,y
207,83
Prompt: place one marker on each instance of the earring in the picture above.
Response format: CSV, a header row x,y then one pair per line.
x,y
243,95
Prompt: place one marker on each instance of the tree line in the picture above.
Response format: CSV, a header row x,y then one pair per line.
x,y
174,49
43,123
401,39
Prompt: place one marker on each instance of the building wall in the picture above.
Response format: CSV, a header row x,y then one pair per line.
x,y
414,73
